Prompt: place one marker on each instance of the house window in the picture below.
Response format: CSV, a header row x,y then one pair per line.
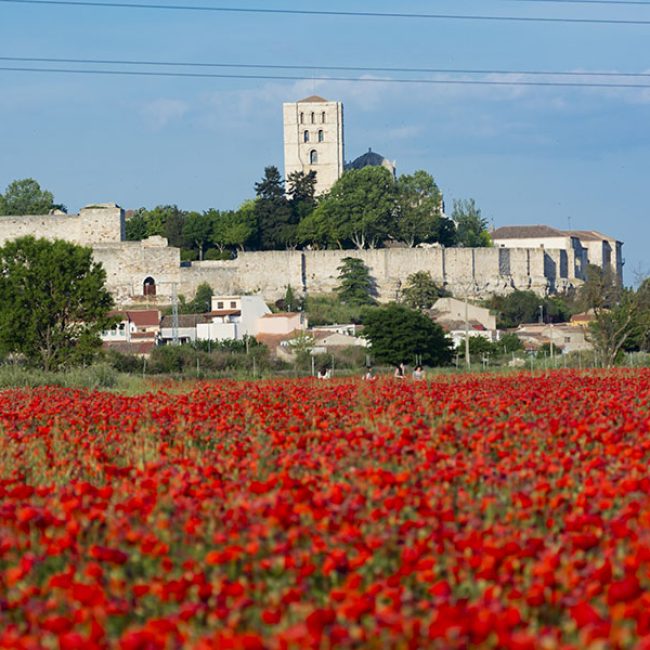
x,y
233,304
302,118
322,117
321,135
313,157
305,136
220,305
313,118
149,287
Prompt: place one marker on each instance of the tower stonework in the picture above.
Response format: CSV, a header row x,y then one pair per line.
x,y
313,140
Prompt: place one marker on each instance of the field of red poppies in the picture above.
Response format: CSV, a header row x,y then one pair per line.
x,y
478,511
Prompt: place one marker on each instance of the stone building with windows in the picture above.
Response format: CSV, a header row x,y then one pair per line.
x,y
566,252
150,271
313,140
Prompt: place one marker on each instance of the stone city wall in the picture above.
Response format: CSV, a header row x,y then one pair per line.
x,y
480,272
94,224
129,264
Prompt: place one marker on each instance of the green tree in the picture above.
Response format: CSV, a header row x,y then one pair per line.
x,y
508,343
359,207
23,197
398,334
527,307
317,230
301,188
419,210
479,347
233,229
516,308
356,284
621,316
202,301
197,232
136,226
420,291
54,302
471,227
174,225
273,213
641,339
290,302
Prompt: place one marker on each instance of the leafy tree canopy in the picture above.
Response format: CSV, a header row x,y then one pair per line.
x,y
419,216
197,231
360,207
471,227
275,219
54,302
233,228
301,188
398,334
621,316
24,197
356,285
527,307
420,291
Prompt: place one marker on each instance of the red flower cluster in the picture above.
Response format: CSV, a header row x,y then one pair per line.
x,y
499,512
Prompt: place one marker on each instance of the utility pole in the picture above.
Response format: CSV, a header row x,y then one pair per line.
x,y
174,314
467,359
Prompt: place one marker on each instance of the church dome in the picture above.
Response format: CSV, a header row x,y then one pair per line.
x,y
372,159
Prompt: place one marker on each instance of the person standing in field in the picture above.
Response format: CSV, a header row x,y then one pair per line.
x,y
400,371
418,373
370,374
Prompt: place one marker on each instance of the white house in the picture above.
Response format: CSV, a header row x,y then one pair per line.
x,y
135,331
232,317
564,338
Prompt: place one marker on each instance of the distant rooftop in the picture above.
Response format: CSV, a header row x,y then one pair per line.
x,y
589,235
371,159
526,232
540,230
313,99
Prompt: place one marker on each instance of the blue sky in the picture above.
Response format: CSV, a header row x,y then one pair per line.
x,y
551,155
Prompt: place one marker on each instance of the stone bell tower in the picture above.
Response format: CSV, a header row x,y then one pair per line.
x,y
313,139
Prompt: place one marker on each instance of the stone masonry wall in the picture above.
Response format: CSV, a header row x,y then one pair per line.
x,y
478,272
129,264
95,224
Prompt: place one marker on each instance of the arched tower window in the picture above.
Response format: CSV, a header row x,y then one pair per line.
x,y
321,135
149,287
313,118
305,136
313,157
302,118
322,117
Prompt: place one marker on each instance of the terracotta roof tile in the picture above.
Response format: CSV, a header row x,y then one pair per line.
x,y
144,318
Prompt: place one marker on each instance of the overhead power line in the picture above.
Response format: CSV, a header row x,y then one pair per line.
x,y
356,14
585,2
342,68
207,75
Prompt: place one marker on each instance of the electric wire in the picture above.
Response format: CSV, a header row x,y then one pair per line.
x,y
389,80
346,68
313,12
